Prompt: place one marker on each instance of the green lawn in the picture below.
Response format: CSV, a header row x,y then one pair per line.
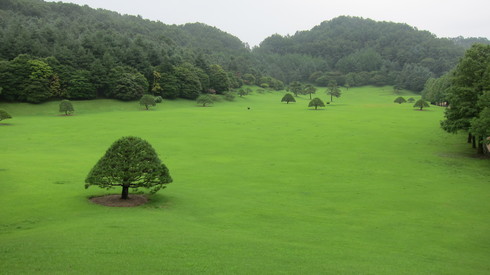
x,y
362,186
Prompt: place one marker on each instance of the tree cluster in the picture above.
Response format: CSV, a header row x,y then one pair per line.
x,y
468,95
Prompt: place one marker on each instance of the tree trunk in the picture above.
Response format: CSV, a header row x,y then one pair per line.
x,y
469,137
146,107
473,142
310,96
125,192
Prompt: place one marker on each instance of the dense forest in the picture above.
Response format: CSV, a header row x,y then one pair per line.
x,y
59,50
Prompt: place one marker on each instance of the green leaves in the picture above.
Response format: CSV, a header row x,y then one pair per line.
x,y
130,161
4,115
66,107
316,102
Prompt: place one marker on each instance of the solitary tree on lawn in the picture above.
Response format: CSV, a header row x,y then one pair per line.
x,y
316,102
288,98
148,100
130,162
333,90
309,89
400,100
4,115
421,104
205,99
66,107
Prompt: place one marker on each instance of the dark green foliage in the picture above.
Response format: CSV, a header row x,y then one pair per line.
x,y
421,104
188,81
158,99
127,84
470,79
296,87
309,89
411,100
90,44
400,100
218,79
288,98
147,101
229,96
80,87
242,92
369,52
205,99
316,102
66,107
4,115
435,89
333,90
130,162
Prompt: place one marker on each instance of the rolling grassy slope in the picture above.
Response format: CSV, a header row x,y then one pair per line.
x,y
361,186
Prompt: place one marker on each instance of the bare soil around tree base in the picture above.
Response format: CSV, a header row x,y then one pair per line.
x,y
116,201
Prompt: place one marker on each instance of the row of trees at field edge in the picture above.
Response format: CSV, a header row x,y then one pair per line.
x,y
467,91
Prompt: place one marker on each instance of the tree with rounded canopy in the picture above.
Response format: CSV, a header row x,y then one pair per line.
x,y
148,100
316,102
421,104
411,100
400,100
130,162
66,107
4,115
288,98
205,99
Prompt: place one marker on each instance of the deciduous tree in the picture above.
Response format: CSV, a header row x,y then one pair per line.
x,y
147,101
66,107
4,115
288,98
421,104
400,100
130,162
316,102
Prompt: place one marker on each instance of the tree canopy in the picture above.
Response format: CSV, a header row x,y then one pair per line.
x,y
130,162
66,107
288,98
316,102
4,115
421,104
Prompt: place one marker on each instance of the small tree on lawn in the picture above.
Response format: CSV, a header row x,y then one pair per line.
x,y
242,92
130,162
205,99
148,100
66,107
288,98
4,115
411,100
400,100
421,104
309,89
333,90
316,102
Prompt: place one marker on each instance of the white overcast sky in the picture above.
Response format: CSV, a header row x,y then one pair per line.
x,y
254,20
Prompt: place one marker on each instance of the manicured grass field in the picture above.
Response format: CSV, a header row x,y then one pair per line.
x,y
363,186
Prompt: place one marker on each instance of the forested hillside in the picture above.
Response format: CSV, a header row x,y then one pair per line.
x,y
59,50
357,51
65,50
